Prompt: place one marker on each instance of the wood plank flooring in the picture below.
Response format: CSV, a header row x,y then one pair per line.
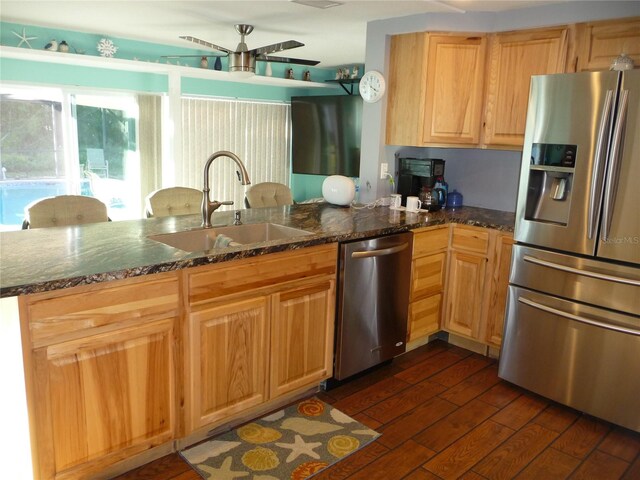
x,y
444,414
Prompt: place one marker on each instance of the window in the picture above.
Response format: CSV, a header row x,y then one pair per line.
x,y
257,132
54,142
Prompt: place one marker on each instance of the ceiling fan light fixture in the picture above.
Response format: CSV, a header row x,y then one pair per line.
x,y
242,64
317,3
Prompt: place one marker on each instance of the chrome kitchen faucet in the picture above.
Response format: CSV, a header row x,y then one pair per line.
x,y
208,207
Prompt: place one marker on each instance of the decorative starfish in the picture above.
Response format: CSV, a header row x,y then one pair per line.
x,y
224,472
300,447
23,38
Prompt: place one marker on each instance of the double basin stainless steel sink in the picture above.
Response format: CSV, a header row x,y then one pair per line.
x,y
203,239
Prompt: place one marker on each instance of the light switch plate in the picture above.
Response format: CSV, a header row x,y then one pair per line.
x,y
384,170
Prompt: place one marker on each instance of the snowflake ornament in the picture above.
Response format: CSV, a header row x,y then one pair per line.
x,y
106,48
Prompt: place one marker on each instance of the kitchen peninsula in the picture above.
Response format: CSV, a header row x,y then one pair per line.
x,y
133,349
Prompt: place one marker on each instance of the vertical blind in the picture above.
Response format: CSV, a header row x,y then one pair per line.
x,y
257,132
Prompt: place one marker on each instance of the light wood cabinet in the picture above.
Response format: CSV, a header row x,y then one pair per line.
x,y
100,373
406,89
260,328
454,87
465,289
599,43
302,337
428,269
430,99
478,277
495,300
229,353
513,58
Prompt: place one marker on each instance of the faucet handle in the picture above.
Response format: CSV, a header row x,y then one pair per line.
x,y
226,202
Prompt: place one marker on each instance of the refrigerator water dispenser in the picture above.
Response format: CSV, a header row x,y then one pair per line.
x,y
550,178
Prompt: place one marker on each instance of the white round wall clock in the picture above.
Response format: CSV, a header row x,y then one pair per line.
x,y
372,86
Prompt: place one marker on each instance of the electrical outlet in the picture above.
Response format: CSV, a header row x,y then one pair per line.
x,y
384,170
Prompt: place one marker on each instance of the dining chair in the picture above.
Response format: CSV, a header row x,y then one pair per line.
x,y
172,201
64,210
268,194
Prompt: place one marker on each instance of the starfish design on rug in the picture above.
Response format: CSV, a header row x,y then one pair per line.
x,y
23,38
300,447
224,472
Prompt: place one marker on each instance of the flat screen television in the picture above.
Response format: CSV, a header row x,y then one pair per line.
x,y
325,134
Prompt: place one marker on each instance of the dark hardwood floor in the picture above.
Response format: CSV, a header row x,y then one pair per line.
x,y
444,414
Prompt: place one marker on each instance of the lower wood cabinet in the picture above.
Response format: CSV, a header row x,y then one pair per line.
x,y
229,357
477,283
428,269
259,328
302,337
100,370
465,289
125,369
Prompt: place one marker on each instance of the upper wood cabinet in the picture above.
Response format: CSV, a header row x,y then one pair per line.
x,y
435,89
406,82
513,58
599,43
453,98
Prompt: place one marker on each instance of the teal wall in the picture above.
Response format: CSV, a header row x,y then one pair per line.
x,y
32,72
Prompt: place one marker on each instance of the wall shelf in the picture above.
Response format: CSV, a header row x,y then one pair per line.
x,y
149,67
346,81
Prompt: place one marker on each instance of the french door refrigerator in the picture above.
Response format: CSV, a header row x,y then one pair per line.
x,y
572,327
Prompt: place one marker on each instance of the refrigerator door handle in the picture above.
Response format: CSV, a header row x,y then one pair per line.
x,y
381,252
577,318
577,271
595,192
614,162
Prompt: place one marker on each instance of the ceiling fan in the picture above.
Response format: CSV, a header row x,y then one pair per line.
x,y
244,60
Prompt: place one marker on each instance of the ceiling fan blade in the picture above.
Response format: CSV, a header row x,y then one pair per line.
x,y
299,61
277,47
209,55
205,43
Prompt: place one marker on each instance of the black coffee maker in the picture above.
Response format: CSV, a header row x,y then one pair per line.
x,y
416,174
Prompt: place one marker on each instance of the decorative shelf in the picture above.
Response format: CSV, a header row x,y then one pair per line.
x,y
148,67
346,81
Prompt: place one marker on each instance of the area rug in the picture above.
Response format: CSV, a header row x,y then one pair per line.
x,y
294,443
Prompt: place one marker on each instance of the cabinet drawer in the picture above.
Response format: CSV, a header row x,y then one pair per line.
x,y
431,240
470,239
428,275
59,316
260,273
424,317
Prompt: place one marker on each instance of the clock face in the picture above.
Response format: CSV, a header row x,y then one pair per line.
x,y
372,86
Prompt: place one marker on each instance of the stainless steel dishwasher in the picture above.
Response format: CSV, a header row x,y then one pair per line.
x,y
373,299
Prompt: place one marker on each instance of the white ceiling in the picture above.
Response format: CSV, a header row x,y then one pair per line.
x,y
335,36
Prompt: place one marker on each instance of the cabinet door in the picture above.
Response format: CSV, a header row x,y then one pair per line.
x,y
513,58
302,337
228,359
599,43
465,288
424,316
405,95
103,398
454,88
496,299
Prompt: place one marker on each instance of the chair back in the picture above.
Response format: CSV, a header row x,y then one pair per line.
x,y
169,202
268,194
97,162
64,210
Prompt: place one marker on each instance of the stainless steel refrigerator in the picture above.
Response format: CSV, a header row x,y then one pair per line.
x,y
572,329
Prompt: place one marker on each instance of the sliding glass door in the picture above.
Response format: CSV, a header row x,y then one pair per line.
x,y
54,142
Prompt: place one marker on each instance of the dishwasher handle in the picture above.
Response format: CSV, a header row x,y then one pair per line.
x,y
380,253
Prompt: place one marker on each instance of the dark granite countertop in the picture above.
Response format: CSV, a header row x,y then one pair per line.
x,y
53,258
